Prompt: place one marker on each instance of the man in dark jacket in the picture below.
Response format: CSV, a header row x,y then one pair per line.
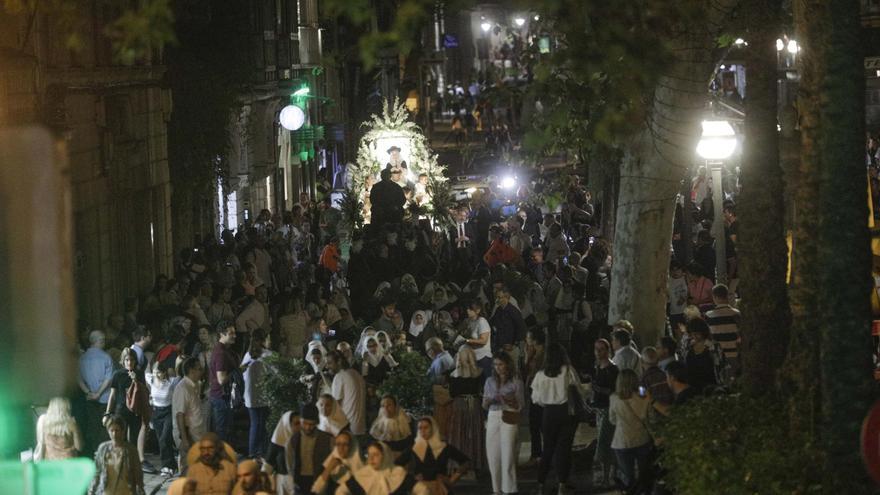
x,y
508,326
307,450
387,200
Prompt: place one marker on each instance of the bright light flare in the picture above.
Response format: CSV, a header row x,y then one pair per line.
x,y
508,183
292,117
718,141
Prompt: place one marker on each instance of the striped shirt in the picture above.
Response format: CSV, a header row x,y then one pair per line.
x,y
724,324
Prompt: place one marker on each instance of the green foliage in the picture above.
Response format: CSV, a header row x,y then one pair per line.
x,y
281,387
410,16
442,204
352,209
147,25
739,443
136,32
409,382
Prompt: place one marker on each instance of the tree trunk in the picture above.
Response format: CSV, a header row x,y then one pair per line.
x,y
650,176
761,247
844,250
829,364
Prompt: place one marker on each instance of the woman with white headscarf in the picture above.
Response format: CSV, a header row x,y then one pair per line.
x,y
420,329
380,476
429,460
339,465
361,346
318,380
392,426
277,456
332,419
466,428
376,362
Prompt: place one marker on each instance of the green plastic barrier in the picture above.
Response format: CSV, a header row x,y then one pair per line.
x,y
70,477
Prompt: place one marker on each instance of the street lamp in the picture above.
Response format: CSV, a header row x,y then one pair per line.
x,y
717,144
292,117
485,26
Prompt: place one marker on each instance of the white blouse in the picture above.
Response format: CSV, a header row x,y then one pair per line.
x,y
553,391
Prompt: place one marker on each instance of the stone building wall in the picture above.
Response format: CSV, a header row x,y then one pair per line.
x,y
113,120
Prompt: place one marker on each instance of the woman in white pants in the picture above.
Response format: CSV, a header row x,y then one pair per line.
x,y
503,397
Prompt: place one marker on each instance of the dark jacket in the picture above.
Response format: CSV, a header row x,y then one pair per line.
x,y
508,327
387,201
323,447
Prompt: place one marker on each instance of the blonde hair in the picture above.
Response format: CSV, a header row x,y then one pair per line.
x,y
624,324
466,363
58,421
627,384
691,312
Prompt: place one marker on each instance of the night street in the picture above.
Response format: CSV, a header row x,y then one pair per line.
x,y
409,247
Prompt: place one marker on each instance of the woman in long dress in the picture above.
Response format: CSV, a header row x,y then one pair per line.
x,y
466,429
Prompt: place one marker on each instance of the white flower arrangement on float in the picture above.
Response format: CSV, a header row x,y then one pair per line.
x,y
393,129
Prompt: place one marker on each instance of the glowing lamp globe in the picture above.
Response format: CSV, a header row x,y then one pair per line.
x,y
718,141
292,117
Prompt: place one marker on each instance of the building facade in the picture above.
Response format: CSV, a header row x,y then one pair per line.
x,y
113,118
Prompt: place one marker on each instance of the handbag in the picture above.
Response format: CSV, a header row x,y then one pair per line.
x,y
578,406
137,400
510,417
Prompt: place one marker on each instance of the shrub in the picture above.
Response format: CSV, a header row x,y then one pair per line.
x,y
736,445
281,387
409,382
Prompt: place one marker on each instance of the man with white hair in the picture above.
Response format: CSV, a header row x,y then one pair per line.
x,y
441,361
95,374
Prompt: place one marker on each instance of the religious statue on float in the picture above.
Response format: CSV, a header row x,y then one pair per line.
x,y
395,145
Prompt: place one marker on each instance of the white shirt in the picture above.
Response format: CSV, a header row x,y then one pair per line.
x,y
186,400
627,358
351,392
479,328
552,391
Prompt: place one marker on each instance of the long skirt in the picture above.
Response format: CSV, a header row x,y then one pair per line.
x,y
442,409
466,429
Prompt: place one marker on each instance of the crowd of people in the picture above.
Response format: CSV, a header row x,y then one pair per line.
x,y
509,310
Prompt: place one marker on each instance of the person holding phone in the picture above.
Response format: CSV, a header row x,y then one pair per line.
x,y
503,398
632,442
